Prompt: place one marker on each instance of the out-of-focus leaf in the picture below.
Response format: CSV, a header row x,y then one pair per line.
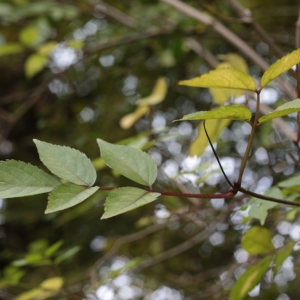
x,y
75,44
129,162
280,66
250,278
36,293
53,248
214,129
223,78
158,94
29,35
234,60
125,199
291,182
68,195
127,121
34,64
67,254
282,110
259,208
11,48
67,163
47,48
282,255
52,284
234,112
257,240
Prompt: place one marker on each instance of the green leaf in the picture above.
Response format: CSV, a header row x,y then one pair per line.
x,y
282,110
130,162
12,48
34,64
257,240
53,248
67,254
29,35
249,279
18,179
223,78
280,66
52,284
68,195
214,130
282,255
259,208
67,163
234,112
291,182
124,199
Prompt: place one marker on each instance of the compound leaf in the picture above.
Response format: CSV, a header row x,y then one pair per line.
x,y
223,78
130,162
234,112
257,240
250,279
68,195
19,179
67,163
125,199
280,66
282,110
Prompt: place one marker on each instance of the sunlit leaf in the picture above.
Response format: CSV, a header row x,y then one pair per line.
x,y
234,112
129,162
282,255
158,94
18,179
249,279
29,35
282,110
280,66
259,208
52,284
257,240
223,78
68,195
36,293
67,163
47,48
127,121
214,130
34,64
12,48
124,199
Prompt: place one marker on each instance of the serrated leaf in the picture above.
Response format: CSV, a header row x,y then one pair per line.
x,y
68,195
257,240
124,199
18,179
11,48
282,255
223,78
34,64
67,163
129,162
249,279
158,94
234,112
259,208
282,110
127,121
214,130
280,66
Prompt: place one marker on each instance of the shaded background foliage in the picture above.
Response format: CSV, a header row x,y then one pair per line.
x,y
105,57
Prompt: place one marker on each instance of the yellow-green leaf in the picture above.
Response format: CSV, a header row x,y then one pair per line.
x,y
12,48
29,36
214,129
34,64
282,110
257,240
223,78
47,48
280,66
127,121
52,284
282,255
158,94
249,279
234,112
235,60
